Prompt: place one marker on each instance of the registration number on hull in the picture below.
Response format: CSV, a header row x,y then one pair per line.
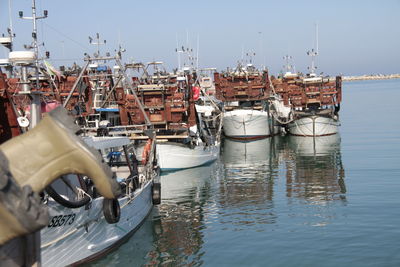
x,y
61,220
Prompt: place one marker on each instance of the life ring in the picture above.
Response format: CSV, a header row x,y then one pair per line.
x,y
156,193
111,210
196,92
146,152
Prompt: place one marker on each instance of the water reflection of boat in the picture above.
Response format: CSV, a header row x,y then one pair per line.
x,y
315,171
178,236
138,247
173,233
184,183
245,154
247,182
321,145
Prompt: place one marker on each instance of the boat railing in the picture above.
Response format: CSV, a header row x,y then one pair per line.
x,y
324,91
92,126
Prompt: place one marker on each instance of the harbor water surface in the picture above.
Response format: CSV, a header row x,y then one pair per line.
x,y
286,201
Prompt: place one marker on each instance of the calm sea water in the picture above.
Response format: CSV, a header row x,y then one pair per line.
x,y
286,201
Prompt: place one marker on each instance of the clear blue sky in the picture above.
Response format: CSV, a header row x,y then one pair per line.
x,y
355,37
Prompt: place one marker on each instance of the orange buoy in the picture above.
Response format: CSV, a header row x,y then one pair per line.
x,y
146,151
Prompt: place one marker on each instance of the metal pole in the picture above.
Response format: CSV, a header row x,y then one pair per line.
x,y
33,240
75,84
111,91
24,80
9,14
35,104
148,122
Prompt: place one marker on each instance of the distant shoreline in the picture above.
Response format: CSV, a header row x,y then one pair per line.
x,y
371,77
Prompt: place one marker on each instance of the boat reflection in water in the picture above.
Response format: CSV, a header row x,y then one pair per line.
x,y
173,232
239,154
314,169
185,185
311,169
180,221
246,184
255,191
135,251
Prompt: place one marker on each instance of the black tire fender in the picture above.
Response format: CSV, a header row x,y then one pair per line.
x,y
156,193
64,202
111,210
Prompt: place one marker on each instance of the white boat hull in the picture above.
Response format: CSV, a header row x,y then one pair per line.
x,y
81,235
248,124
175,156
314,126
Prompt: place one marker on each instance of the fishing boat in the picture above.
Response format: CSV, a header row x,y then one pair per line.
x,y
83,224
314,103
245,92
184,137
313,100
97,227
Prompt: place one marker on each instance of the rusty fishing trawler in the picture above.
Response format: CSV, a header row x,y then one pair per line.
x,y
184,134
83,225
310,102
245,91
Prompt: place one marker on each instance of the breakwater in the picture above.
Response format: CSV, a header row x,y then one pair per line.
x,y
371,77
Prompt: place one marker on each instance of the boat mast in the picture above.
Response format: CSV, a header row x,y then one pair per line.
x,y
35,104
189,61
7,41
197,52
249,61
287,66
98,43
9,14
10,30
316,34
178,52
314,53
